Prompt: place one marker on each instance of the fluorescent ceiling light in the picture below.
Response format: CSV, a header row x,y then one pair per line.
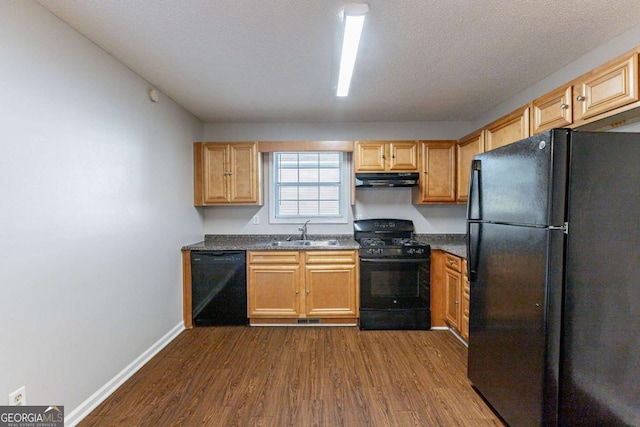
x,y
354,14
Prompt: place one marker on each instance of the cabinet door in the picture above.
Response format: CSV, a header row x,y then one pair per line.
x,y
466,292
606,88
453,290
466,149
274,291
226,174
437,180
243,173
330,291
553,110
508,129
452,286
214,173
370,156
438,293
402,156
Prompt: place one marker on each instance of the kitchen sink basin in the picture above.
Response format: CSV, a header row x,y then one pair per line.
x,y
304,243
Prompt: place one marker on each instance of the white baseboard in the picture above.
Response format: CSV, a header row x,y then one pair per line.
x,y
75,416
455,334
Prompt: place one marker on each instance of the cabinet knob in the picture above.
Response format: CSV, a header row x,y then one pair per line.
x,y
564,106
580,98
297,292
426,172
308,291
457,302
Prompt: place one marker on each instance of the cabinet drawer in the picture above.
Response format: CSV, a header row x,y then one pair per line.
x,y
330,257
453,262
274,257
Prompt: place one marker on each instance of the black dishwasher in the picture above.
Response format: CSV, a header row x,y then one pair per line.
x,y
218,288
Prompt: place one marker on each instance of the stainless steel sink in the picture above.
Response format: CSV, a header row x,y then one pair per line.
x,y
304,243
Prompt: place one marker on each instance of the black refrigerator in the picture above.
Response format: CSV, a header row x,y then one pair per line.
x,y
553,246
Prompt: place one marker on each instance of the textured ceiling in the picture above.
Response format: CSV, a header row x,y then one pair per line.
x,y
276,60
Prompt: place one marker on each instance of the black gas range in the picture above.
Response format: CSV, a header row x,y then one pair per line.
x,y
394,275
388,238
375,247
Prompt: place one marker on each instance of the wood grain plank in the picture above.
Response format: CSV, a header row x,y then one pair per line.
x,y
300,376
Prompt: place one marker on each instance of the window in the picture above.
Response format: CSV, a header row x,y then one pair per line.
x,y
308,185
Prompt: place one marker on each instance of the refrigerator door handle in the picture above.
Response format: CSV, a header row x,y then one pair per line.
x,y
474,184
472,255
472,237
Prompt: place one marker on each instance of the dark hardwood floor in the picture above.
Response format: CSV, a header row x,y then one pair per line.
x,y
300,376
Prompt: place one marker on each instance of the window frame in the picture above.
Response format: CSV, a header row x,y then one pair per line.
x,y
345,192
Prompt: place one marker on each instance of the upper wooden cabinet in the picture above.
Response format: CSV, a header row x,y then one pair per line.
x,y
610,86
467,147
606,96
226,174
510,128
553,110
386,156
437,175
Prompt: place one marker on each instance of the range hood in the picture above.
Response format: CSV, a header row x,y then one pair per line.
x,y
387,179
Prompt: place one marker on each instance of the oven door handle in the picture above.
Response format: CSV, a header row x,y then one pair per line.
x,y
395,260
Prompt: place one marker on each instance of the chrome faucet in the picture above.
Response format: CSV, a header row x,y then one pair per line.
x,y
303,229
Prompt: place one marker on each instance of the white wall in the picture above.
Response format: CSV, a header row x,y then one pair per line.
x,y
96,191
378,203
346,131
370,203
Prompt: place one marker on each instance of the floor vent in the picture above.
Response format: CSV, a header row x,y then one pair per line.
x,y
308,321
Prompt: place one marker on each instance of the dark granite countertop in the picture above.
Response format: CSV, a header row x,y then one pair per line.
x,y
262,242
452,243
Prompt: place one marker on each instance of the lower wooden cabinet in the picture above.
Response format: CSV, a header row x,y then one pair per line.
x,y
466,294
285,286
273,284
450,292
453,290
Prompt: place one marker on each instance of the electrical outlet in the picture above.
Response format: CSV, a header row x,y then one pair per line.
x,y
18,397
256,220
